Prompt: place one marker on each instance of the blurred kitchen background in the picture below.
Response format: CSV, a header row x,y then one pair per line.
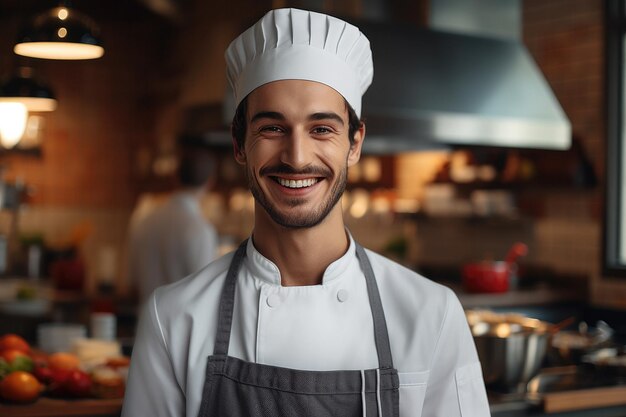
x,y
445,179
112,139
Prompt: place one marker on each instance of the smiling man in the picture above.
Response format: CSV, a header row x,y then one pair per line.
x,y
301,320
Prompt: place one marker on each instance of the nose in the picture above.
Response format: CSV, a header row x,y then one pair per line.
x,y
297,150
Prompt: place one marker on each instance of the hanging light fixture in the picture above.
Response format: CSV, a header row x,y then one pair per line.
x,y
13,121
60,33
23,88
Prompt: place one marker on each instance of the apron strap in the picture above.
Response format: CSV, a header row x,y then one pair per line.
x,y
381,336
227,302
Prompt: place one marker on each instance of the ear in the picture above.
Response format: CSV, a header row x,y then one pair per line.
x,y
355,149
239,153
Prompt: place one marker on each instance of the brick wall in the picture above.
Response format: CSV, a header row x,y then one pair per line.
x,y
566,38
116,113
89,141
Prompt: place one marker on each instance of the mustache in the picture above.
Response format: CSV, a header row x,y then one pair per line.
x,y
286,169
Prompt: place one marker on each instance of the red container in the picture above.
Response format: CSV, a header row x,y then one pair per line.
x,y
493,276
486,276
68,274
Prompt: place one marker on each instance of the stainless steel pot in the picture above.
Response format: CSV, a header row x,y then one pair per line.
x,y
511,348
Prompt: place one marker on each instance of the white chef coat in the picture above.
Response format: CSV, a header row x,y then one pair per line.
x,y
169,243
319,327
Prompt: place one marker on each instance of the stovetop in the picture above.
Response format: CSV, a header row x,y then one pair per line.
x,y
549,380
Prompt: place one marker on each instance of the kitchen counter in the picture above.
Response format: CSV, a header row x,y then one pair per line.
x,y
52,407
523,409
537,296
568,391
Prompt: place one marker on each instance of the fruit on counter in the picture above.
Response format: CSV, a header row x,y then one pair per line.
x,y
107,383
78,384
22,363
11,354
5,368
64,361
44,374
58,377
70,383
11,341
20,387
118,362
39,358
17,360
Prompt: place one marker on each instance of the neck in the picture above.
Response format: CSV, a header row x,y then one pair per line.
x,y
301,255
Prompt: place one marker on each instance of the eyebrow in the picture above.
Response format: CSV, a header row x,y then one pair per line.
x,y
267,115
325,116
279,116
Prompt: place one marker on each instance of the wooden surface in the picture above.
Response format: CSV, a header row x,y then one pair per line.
x,y
50,407
584,399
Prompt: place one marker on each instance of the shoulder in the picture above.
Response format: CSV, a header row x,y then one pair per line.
x,y
393,276
193,292
421,315
409,294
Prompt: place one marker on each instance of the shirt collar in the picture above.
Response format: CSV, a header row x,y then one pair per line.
x,y
265,270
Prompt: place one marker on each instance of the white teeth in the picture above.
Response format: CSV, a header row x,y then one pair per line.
x,y
297,184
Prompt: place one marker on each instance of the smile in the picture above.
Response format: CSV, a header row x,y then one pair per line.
x,y
296,183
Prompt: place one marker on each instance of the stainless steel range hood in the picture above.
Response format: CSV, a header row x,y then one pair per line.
x,y
433,88
466,79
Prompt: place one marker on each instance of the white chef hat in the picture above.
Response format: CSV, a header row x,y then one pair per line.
x,y
288,44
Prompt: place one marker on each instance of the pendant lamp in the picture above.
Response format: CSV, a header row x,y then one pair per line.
x,y
60,33
13,121
23,88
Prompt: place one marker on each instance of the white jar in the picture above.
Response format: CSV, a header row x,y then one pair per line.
x,y
103,326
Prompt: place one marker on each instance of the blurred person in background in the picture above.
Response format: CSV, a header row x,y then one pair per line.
x,y
174,239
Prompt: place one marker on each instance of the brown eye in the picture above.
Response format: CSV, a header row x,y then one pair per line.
x,y
271,130
321,130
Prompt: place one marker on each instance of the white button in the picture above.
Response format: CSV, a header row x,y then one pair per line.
x,y
273,300
342,295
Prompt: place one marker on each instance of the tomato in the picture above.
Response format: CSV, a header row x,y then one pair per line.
x,y
39,358
10,354
73,383
13,341
78,384
20,387
58,379
43,374
63,360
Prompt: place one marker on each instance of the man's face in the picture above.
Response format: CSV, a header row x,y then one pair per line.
x,y
297,150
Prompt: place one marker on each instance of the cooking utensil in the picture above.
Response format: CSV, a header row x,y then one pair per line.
x,y
493,276
561,325
511,348
569,346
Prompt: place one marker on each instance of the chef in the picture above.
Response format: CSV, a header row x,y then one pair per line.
x,y
301,320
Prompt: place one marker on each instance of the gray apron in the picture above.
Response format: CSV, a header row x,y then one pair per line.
x,y
236,388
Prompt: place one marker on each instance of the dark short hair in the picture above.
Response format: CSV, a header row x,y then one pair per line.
x,y
240,124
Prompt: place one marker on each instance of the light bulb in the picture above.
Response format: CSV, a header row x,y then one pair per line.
x,y
13,118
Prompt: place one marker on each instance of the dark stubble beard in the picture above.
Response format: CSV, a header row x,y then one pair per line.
x,y
298,220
